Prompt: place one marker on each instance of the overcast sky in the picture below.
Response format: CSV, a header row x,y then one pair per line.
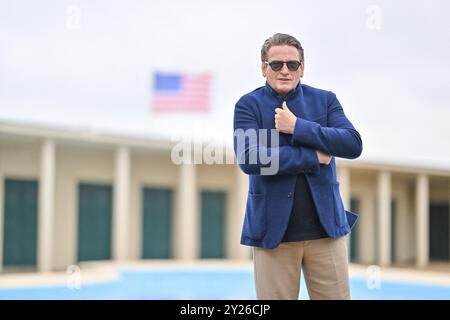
x,y
89,64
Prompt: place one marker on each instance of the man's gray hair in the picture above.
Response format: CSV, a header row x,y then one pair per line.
x,y
279,39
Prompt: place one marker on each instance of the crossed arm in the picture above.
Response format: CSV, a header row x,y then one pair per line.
x,y
338,139
248,148
311,144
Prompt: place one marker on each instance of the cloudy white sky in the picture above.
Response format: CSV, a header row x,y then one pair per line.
x,y
88,64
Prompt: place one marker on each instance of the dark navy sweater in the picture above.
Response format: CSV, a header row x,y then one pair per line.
x,y
304,223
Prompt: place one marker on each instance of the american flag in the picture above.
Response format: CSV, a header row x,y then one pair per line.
x,y
181,92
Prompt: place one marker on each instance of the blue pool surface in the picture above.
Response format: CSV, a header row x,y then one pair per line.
x,y
207,284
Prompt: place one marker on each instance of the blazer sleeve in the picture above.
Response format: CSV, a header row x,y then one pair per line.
x,y
291,159
338,139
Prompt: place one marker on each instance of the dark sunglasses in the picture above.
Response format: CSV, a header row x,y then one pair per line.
x,y
278,65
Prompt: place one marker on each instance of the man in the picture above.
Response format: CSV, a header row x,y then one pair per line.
x,y
295,219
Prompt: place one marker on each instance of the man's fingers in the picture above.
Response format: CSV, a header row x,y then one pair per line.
x,y
323,157
278,110
284,106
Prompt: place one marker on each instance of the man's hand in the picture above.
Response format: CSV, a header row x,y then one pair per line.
x,y
285,119
323,157
285,122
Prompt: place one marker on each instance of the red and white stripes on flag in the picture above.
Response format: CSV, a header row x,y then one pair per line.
x,y
181,92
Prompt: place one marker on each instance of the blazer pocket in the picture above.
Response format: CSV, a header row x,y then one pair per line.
x,y
255,224
339,212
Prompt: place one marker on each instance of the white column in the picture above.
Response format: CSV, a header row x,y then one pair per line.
x,y
422,220
46,207
367,222
344,185
187,224
344,188
121,221
236,217
384,218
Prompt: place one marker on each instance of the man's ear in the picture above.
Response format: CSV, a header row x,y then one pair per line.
x,y
263,69
302,69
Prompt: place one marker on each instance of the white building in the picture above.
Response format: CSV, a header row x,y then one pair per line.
x,y
68,196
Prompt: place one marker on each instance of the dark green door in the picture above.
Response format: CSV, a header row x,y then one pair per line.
x,y
94,222
20,223
354,235
439,232
212,225
157,223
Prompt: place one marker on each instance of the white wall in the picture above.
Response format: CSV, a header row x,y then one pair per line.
x,y
92,163
363,187
404,249
75,164
221,178
18,160
147,170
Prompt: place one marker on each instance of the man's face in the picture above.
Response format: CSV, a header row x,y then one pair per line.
x,y
284,80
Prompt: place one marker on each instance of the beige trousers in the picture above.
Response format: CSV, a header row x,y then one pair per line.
x,y
324,263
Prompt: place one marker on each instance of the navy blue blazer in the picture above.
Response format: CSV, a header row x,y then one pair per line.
x,y
321,125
